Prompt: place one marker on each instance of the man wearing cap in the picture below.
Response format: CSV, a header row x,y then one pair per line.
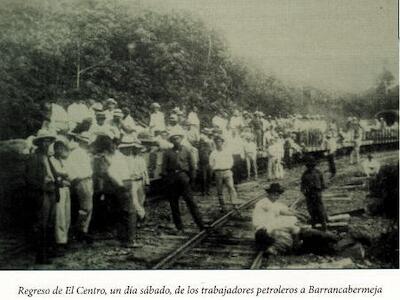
x,y
80,173
157,121
178,171
42,193
312,184
110,105
330,146
221,163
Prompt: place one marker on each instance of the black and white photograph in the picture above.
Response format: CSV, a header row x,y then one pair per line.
x,y
199,135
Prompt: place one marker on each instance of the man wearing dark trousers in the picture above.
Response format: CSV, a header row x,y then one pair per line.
x,y
179,173
312,184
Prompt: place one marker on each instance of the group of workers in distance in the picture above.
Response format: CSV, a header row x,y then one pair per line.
x,y
90,163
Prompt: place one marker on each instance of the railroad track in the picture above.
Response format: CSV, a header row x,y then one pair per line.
x,y
229,242
223,246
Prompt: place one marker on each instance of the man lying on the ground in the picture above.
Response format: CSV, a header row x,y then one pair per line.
x,y
278,229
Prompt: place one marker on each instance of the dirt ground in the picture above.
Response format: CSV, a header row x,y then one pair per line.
x,y
157,236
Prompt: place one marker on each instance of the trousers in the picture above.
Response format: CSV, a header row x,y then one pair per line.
x,y
84,192
62,216
43,221
225,178
178,184
316,208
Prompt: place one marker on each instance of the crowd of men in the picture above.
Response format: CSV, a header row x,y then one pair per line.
x,y
95,153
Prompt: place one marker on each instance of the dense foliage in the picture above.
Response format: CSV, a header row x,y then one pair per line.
x,y
61,50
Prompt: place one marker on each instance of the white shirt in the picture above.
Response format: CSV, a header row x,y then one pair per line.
x,y
236,146
193,119
271,216
118,169
79,164
163,144
330,145
77,112
157,121
236,122
59,117
221,160
250,148
138,168
370,167
219,122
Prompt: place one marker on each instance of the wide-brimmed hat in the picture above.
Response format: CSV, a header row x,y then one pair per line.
x,y
219,137
97,107
83,137
207,131
43,134
275,188
111,101
128,142
100,114
118,113
176,132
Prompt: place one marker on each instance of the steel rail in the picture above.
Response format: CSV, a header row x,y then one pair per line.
x,y
195,240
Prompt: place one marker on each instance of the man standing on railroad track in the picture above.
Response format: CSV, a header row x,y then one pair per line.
x,y
221,163
179,173
312,184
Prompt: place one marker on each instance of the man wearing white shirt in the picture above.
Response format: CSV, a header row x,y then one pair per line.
x,y
157,121
193,118
250,150
59,118
236,122
110,106
77,112
221,163
80,172
330,147
236,146
120,184
219,122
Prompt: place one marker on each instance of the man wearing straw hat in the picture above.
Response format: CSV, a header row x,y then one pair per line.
x,y
179,173
131,148
221,163
80,172
42,191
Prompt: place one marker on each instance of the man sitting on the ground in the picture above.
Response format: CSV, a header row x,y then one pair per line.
x,y
278,229
370,166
